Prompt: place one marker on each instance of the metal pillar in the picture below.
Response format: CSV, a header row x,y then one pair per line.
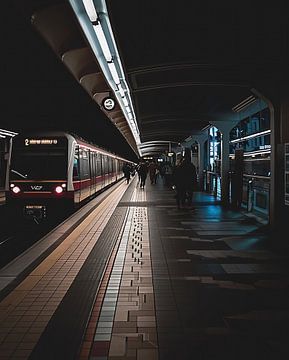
x,y
201,139
225,127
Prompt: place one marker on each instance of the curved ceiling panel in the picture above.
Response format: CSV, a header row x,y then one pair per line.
x,y
80,62
186,65
59,28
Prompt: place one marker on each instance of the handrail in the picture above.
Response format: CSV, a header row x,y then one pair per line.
x,y
257,177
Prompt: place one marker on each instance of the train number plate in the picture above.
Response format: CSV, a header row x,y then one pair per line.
x,y
35,211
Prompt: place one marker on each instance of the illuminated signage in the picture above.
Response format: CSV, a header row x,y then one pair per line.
x,y
108,103
263,147
40,142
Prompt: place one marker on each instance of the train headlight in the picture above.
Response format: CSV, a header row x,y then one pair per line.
x,y
59,189
16,189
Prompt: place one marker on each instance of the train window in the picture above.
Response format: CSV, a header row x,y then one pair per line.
x,y
104,164
94,163
76,164
114,165
91,163
110,165
98,164
84,164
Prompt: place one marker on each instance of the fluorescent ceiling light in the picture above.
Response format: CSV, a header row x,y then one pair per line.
x,y
130,116
265,132
113,72
93,13
102,41
90,9
248,101
253,153
257,153
128,109
125,102
7,132
121,91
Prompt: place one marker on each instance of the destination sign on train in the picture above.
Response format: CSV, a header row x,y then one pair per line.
x,y
40,142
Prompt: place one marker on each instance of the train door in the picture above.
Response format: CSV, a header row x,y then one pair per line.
x,y
119,169
116,169
92,172
84,174
76,175
98,172
104,169
114,164
110,179
95,170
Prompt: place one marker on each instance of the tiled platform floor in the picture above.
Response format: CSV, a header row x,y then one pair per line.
x,y
179,284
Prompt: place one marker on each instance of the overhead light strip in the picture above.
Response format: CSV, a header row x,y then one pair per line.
x,y
90,9
253,153
243,104
7,133
102,40
265,132
113,72
112,67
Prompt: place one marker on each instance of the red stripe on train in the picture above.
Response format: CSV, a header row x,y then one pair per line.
x,y
81,184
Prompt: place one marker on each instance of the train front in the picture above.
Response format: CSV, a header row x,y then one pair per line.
x,y
38,175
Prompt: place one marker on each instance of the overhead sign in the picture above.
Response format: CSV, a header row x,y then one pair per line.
x,y
108,103
40,142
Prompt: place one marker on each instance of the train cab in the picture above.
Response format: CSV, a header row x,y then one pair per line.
x,y
53,171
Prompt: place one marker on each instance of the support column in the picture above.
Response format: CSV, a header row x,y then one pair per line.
x,y
201,139
225,128
225,165
279,111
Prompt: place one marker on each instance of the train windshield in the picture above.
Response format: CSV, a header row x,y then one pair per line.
x,y
39,166
37,163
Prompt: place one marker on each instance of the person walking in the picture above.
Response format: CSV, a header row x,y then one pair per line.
x,y
142,170
138,173
168,172
126,171
178,183
185,181
152,168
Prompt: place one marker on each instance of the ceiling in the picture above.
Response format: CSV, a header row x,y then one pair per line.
x,y
187,64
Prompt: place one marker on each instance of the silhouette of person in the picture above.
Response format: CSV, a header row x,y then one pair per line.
x,y
126,170
143,170
152,168
185,180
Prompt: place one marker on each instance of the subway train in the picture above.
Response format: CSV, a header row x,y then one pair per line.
x,y
57,171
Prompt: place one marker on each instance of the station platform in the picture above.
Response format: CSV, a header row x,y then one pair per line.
x,y
130,276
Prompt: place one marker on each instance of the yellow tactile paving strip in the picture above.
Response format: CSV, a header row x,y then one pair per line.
x,y
123,322
26,311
